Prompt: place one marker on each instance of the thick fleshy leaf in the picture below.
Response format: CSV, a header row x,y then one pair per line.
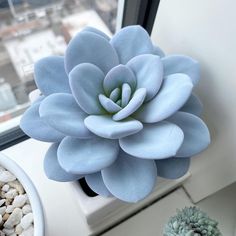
x,y
52,168
131,41
115,94
172,168
61,112
173,94
50,75
158,51
117,76
196,133
119,102
85,156
182,64
81,50
133,105
193,105
95,182
105,127
36,128
156,141
35,95
86,84
108,104
148,70
38,100
96,31
130,179
126,94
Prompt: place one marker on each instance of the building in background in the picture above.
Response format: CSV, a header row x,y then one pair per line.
x,y
32,29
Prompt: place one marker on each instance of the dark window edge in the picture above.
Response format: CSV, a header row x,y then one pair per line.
x,y
140,12
12,137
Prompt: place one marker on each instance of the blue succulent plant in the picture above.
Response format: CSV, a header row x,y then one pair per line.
x,y
118,113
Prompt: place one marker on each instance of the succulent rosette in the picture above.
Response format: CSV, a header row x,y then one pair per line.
x,y
118,112
191,221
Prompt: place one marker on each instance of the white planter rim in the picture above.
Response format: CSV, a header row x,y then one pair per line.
x,y
31,191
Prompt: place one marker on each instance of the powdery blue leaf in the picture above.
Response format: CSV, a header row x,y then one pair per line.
x,y
193,105
52,168
105,127
95,182
172,168
108,104
86,84
148,70
182,64
156,141
119,102
82,48
85,156
117,76
96,31
39,99
173,94
50,76
115,94
133,105
61,112
126,94
196,134
130,179
36,128
131,41
158,51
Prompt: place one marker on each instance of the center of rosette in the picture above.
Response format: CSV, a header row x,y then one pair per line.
x,y
121,103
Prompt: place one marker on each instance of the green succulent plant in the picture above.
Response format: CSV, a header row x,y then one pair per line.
x,y
191,221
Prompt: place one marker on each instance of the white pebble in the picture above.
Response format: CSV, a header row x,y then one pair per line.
x,y
6,176
18,229
19,201
2,201
26,221
17,185
26,209
3,210
8,231
2,234
14,218
28,232
5,187
10,209
11,194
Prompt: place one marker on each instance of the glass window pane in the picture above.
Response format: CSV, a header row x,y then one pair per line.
x,y
32,29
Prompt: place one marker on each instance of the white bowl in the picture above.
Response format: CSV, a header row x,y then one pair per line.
x,y
31,191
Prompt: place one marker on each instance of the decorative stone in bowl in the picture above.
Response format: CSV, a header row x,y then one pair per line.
x,y
21,211
119,113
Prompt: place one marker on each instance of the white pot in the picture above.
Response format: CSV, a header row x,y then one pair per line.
x,y
31,191
101,213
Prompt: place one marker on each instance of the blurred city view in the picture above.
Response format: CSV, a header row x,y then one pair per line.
x,y
32,29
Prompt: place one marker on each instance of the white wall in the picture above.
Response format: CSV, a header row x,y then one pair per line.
x,y
206,30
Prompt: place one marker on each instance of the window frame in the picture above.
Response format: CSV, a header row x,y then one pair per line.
x,y
140,12
12,137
